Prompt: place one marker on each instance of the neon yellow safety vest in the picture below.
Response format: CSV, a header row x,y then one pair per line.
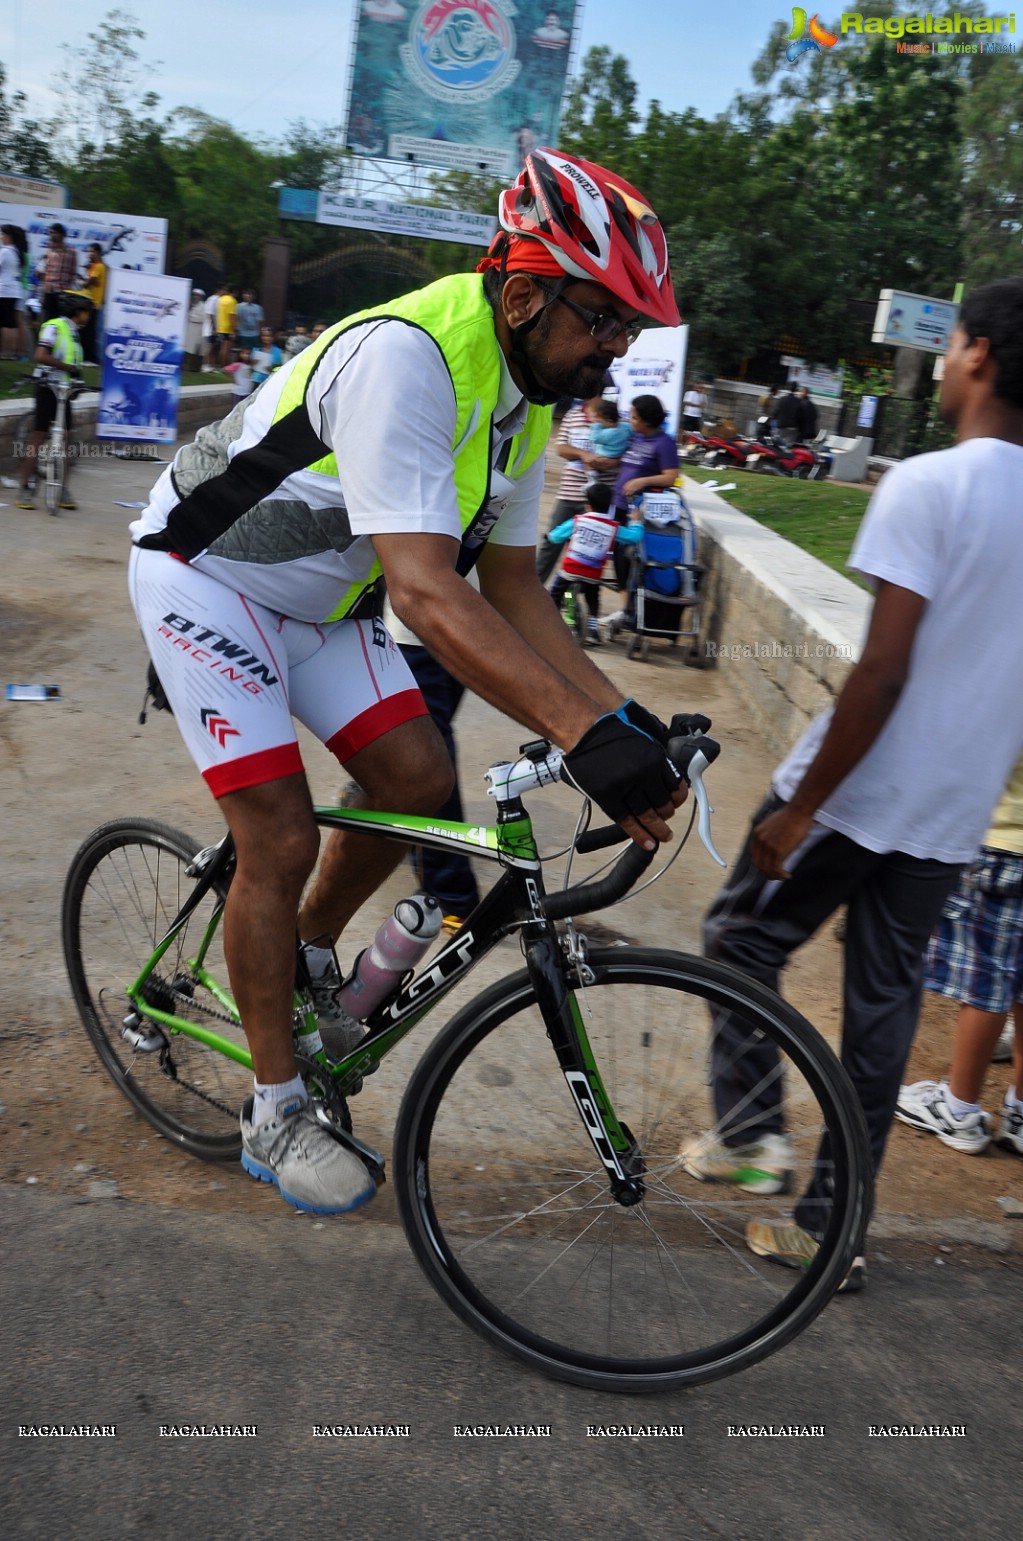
x,y
455,312
72,348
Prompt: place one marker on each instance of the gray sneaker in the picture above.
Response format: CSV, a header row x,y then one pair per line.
x,y
340,1032
313,1170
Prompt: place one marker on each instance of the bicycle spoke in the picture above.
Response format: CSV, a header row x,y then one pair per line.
x,y
532,1238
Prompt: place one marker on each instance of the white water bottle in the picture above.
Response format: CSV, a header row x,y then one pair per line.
x,y
398,946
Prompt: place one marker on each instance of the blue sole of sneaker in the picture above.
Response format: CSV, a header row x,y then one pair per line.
x,y
263,1174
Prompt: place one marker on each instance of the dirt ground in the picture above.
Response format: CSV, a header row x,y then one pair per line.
x,y
67,766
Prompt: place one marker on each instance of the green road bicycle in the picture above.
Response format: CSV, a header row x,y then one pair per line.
x,y
537,1153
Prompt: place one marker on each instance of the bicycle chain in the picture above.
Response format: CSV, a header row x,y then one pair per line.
x,y
165,1054
222,1016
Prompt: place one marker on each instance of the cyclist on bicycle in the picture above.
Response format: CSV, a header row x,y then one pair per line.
x,y
405,444
59,358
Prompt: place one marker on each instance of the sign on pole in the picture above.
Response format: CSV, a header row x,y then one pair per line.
x,y
655,365
914,321
467,85
358,213
143,351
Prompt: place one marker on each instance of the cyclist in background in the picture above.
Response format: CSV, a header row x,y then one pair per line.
x,y
405,443
59,357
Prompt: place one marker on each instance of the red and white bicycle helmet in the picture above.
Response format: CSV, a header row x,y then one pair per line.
x,y
596,226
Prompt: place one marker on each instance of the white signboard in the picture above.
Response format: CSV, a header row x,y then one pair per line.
x,y
914,321
819,382
134,241
37,190
405,219
143,351
866,412
655,365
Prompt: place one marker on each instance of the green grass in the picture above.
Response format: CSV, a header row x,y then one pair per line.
x,y
820,517
15,379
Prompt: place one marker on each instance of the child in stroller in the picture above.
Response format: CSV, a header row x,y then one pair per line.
x,y
663,575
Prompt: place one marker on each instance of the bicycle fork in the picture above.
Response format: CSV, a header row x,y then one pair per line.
x,y
612,1139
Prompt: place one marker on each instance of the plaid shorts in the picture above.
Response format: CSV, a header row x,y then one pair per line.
x,y
976,952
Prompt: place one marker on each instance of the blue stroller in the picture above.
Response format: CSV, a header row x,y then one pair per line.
x,y
664,574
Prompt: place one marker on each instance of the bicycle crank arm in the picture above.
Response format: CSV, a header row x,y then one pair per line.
x,y
372,1160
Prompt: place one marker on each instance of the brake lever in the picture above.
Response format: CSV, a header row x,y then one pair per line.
x,y
697,766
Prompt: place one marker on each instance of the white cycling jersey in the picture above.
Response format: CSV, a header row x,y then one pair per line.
x,y
298,550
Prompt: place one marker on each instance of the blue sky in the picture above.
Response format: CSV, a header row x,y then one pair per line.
x,y
261,64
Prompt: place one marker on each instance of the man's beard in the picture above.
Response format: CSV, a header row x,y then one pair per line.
x,y
586,379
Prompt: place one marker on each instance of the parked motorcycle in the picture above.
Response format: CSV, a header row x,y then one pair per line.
x,y
725,448
774,455
694,446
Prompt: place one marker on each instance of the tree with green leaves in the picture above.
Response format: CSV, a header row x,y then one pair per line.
x,y
600,113
105,87
24,142
991,129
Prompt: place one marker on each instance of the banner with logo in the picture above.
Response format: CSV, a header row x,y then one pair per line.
x,y
133,241
914,321
461,84
143,351
655,365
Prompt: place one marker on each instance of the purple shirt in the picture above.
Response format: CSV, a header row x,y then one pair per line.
x,y
646,455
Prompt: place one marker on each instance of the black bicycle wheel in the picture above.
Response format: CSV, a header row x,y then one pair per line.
x,y
508,1209
125,886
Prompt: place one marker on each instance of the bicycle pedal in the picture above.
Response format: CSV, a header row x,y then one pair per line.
x,y
374,1162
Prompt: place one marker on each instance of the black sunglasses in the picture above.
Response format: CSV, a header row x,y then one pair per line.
x,y
604,325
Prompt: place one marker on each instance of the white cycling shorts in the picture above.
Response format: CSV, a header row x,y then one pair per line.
x,y
236,674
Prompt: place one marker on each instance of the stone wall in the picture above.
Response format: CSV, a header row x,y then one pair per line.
x,y
786,626
198,405
737,400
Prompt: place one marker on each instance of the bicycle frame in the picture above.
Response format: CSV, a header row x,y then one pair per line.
x,y
516,902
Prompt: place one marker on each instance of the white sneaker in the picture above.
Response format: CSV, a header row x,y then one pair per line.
x,y
311,1169
764,1166
922,1105
612,625
1003,1048
1010,1128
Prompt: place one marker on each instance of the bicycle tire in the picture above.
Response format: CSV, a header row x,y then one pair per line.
x,y
495,1175
124,887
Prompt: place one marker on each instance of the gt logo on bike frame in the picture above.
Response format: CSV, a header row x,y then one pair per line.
x,y
586,1102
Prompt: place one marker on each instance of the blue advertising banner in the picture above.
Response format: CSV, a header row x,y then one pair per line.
x,y
460,84
143,350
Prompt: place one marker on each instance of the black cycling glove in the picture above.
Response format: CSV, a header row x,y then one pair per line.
x,y
681,725
622,768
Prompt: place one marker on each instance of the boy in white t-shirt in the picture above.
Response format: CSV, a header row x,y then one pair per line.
x,y
884,800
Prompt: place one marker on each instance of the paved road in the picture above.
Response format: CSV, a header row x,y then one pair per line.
x,y
137,1313
116,1313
